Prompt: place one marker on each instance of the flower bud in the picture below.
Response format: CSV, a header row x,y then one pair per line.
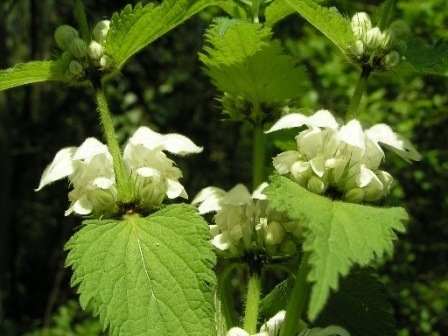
x,y
78,48
361,24
388,40
66,56
274,234
373,38
301,171
401,46
64,36
106,61
288,247
391,59
357,48
96,50
400,28
75,68
316,185
235,331
354,195
100,30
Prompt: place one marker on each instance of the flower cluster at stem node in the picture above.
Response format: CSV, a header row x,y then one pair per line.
x,y
81,56
245,223
89,168
380,49
340,158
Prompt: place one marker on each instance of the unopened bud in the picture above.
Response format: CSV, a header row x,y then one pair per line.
x,y
391,59
75,68
106,61
78,48
316,185
274,233
64,36
401,46
373,38
361,24
100,30
301,171
288,248
400,28
388,39
357,48
96,50
354,195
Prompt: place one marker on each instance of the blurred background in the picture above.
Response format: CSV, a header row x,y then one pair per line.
x,y
164,87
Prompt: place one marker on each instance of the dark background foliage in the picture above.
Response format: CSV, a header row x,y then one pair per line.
x,y
165,88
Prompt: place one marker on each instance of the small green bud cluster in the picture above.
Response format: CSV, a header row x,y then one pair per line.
x,y
380,49
81,56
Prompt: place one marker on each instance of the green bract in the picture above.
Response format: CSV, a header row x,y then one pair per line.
x,y
147,276
338,234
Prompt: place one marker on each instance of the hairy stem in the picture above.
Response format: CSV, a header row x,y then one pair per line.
x,y
123,185
258,156
297,300
252,304
357,94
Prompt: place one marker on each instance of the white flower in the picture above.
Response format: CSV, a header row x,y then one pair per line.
x,y
344,158
273,325
90,170
328,331
153,172
244,222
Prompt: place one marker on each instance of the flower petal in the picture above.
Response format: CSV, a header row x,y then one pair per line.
x,y
288,121
209,199
322,118
238,195
90,148
60,167
353,135
175,189
284,161
221,241
83,206
258,193
397,143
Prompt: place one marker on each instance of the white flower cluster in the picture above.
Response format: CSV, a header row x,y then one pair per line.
x,y
245,222
343,158
89,168
78,54
381,49
273,325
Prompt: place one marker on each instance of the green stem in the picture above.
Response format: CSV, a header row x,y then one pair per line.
x,y
357,94
256,10
123,185
258,156
297,300
225,296
252,304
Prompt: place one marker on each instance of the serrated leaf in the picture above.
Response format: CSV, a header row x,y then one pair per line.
x,y
360,306
236,10
147,276
32,72
338,235
136,27
327,21
430,59
277,11
242,60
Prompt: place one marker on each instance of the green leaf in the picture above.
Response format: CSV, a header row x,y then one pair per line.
x,y
277,299
429,59
236,10
329,22
360,306
136,27
33,72
338,235
242,60
147,276
277,11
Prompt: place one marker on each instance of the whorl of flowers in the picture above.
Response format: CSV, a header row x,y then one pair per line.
x,y
245,222
79,55
343,158
273,325
89,169
382,49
